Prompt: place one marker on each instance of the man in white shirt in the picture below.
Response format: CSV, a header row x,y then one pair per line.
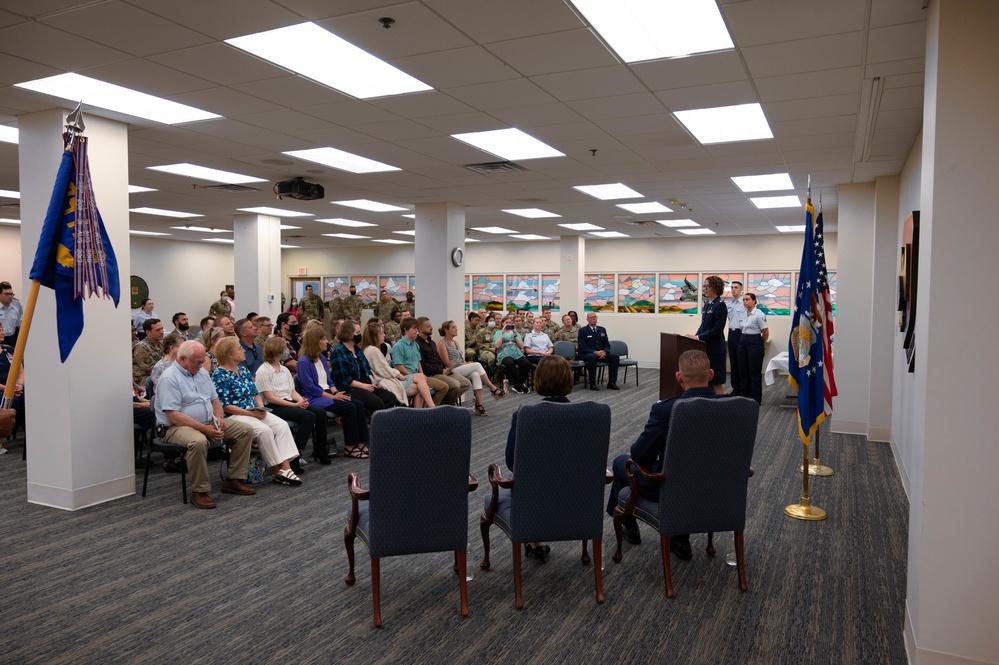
x,y
537,343
11,313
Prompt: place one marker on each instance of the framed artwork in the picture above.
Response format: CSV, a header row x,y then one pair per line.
x,y
910,239
551,287
396,286
598,292
341,284
367,288
487,292
636,293
730,277
772,290
412,285
678,293
468,292
832,290
522,293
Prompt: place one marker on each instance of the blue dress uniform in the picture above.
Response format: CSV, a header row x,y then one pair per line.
x,y
751,351
712,332
736,319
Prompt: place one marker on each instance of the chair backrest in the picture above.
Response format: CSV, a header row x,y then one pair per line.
x,y
708,453
619,348
565,349
150,388
419,480
559,471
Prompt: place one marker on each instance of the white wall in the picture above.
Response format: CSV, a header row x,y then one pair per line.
x,y
10,258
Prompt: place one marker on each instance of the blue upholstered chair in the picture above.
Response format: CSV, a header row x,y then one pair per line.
x,y
620,348
568,351
557,492
418,496
706,470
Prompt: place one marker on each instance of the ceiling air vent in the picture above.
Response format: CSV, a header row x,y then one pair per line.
x,y
492,168
230,188
641,222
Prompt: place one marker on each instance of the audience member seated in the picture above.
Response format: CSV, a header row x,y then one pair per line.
x,y
147,352
264,327
277,386
694,375
388,377
407,359
253,353
319,389
553,381
510,354
181,326
550,325
537,343
227,326
187,403
567,332
207,324
171,343
209,341
350,370
286,327
594,346
434,367
242,403
393,333
451,354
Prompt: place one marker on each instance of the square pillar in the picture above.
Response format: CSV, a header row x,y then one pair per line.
x,y
257,264
440,229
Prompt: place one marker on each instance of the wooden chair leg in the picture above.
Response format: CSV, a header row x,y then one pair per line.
x,y
586,555
740,562
460,558
710,549
618,519
348,544
597,572
664,544
516,576
376,590
484,524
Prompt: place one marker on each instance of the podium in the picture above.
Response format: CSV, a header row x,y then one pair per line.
x,y
671,347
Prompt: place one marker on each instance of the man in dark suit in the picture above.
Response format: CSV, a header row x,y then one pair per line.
x,y
594,346
694,375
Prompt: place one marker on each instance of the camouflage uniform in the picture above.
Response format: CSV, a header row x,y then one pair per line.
x,y
386,308
145,354
484,345
352,306
259,340
392,332
310,308
221,307
336,309
550,328
563,335
410,305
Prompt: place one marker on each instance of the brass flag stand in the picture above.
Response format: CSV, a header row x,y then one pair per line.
x,y
816,468
805,510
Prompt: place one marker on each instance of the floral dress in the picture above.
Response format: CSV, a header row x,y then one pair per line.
x,y
235,388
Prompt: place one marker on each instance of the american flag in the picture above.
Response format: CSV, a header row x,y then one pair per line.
x,y
824,298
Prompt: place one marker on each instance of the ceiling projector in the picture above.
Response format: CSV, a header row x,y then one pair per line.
x,y
297,188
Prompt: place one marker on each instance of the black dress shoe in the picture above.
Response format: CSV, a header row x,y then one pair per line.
x,y
681,548
594,386
631,534
612,386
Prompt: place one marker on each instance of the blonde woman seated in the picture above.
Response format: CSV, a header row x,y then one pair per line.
x,y
209,339
241,402
453,356
411,385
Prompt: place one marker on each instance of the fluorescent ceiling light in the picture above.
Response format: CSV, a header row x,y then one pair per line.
x,y
275,212
133,232
339,159
509,144
773,182
410,232
642,208
320,55
289,247
698,232
472,240
8,134
530,236
205,173
640,30
791,229
582,226
199,229
159,212
531,213
726,124
609,234
9,221
229,241
765,202
410,215
288,227
9,194
392,241
609,192
74,87
677,223
348,236
365,204
340,221
135,189
492,229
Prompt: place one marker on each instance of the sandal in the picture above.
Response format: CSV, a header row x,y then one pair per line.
x,y
356,452
287,477
498,393
480,410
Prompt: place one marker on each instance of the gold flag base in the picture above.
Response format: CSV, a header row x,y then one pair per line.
x,y
817,469
805,511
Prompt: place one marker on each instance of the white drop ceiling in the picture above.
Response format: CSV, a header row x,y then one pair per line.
x,y
531,64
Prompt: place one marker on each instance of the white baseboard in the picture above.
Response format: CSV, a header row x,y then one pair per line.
x,y
848,427
879,434
919,656
83,497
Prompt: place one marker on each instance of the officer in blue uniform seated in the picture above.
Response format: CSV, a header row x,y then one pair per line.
x,y
712,330
694,375
593,347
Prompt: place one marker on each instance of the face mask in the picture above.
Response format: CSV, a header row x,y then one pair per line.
x,y
357,339
294,330
491,324
183,327
294,303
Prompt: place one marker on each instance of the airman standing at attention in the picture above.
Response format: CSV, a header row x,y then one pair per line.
x,y
410,303
352,305
221,307
335,305
386,307
310,307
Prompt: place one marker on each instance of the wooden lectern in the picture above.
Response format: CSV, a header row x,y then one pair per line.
x,y
671,347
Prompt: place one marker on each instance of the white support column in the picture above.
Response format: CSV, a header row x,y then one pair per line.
x,y
572,267
257,264
79,415
884,302
440,229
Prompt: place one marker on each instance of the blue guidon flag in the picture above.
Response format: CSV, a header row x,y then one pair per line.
x,y
805,349
74,255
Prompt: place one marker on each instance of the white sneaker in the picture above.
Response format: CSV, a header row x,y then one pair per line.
x,y
3,451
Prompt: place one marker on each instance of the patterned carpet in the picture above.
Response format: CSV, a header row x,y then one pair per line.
x,y
260,579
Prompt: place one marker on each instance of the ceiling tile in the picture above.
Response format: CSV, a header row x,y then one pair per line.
x,y
501,94
897,42
416,30
543,114
770,21
646,124
395,130
695,70
421,105
463,122
554,52
619,106
55,48
457,67
224,101
219,63
222,19
809,126
282,120
810,84
812,108
291,91
350,112
147,77
595,82
708,96
17,70
805,55
895,99
486,21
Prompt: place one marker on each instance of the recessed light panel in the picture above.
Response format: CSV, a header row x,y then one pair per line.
x,y
12,222
205,173
410,215
289,246
74,88
677,223
159,212
467,240
726,124
340,221
133,232
492,229
406,233
392,241
582,226
509,144
288,227
530,236
766,202
773,182
9,194
531,213
365,204
639,30
318,54
228,241
644,208
609,234
698,232
275,212
135,189
200,229
791,229
609,192
342,160
8,134
346,236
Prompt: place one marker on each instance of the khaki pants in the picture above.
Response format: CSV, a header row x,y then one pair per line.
x,y
441,387
238,435
457,386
